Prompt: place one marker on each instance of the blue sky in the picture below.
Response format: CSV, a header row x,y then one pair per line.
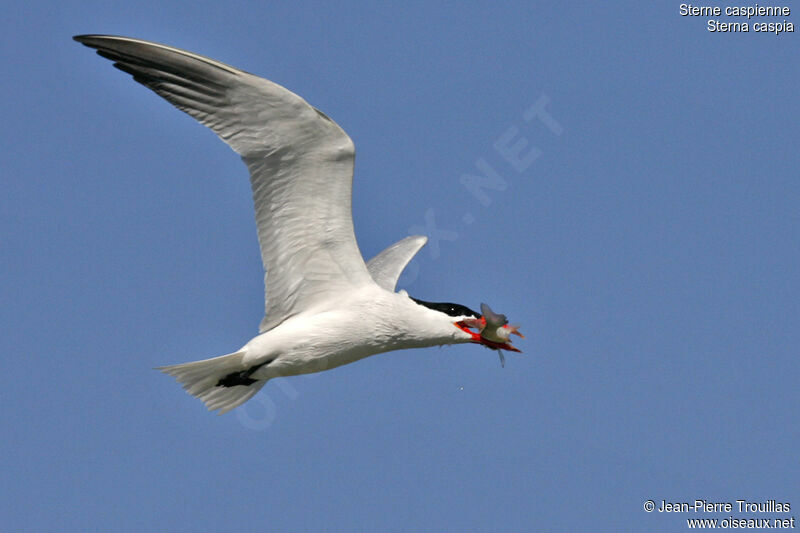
x,y
646,238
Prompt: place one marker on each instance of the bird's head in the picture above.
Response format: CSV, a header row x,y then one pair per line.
x,y
488,329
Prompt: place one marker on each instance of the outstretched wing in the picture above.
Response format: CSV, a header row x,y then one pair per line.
x,y
386,267
300,162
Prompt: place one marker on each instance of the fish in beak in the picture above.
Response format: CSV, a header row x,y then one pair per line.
x,y
493,332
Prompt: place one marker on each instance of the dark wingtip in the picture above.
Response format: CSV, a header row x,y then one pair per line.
x,y
87,38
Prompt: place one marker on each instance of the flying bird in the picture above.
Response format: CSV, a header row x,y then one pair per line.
x,y
325,307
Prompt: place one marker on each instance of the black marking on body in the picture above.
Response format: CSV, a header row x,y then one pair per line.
x,y
242,377
450,309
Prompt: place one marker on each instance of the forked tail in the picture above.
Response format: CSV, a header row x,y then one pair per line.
x,y
222,382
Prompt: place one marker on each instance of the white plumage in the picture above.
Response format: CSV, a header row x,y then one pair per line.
x,y
324,307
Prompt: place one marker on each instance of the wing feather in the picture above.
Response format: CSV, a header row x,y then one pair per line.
x,y
386,267
300,162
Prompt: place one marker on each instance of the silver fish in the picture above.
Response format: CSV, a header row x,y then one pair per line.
x,y
495,328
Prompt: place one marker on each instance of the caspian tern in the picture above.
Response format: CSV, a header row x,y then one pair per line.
x,y
325,306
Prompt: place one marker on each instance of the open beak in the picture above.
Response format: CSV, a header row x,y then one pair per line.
x,y
477,338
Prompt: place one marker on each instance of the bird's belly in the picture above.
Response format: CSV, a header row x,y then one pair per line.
x,y
307,359
325,340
